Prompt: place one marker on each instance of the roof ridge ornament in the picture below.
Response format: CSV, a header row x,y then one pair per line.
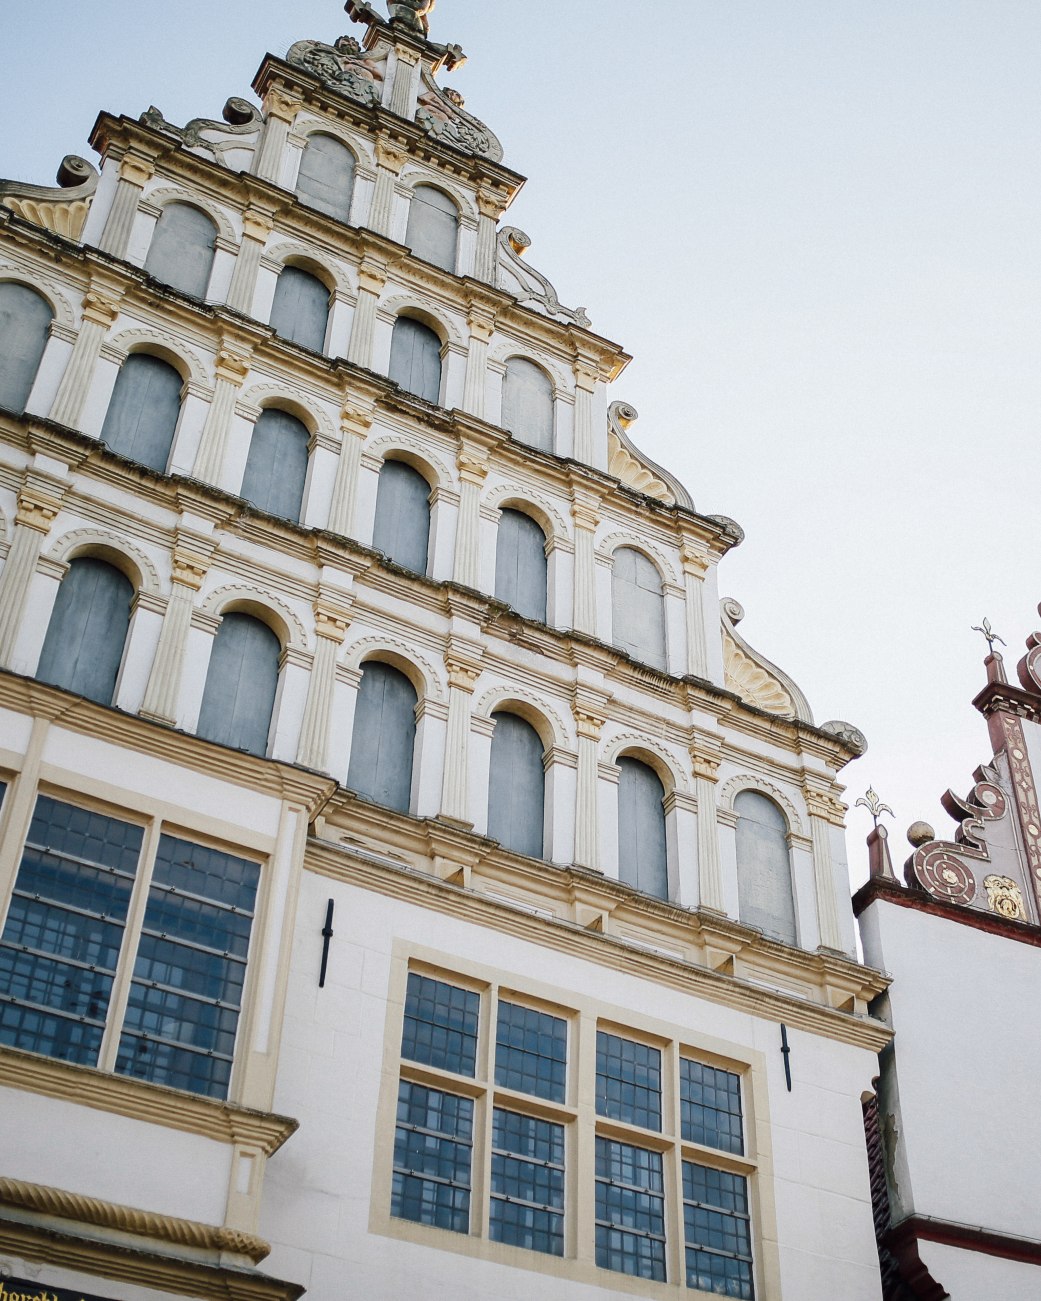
x,y
411,16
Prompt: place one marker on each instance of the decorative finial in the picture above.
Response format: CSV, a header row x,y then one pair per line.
x,y
413,14
990,635
874,805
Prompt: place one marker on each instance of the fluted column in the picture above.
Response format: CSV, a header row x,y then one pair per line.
x,y
191,561
587,813
403,95
825,810
585,512
491,205
355,423
586,376
482,327
100,310
256,227
232,367
473,470
710,867
331,623
38,503
462,674
372,276
695,566
390,162
280,108
134,173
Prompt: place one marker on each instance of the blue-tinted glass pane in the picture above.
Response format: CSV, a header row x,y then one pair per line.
x,y
628,1081
185,998
630,1210
440,1025
64,928
432,1153
527,1203
716,1228
710,1106
531,1052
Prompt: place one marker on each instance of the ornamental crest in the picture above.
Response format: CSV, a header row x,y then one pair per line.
x,y
343,66
1005,898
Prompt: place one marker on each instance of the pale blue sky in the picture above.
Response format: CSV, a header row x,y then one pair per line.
x,y
815,224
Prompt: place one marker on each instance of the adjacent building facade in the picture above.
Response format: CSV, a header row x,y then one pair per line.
x,y
410,879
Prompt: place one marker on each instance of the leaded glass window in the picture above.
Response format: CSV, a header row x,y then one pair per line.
x,y
717,1231
531,1051
433,1148
710,1107
441,1023
630,1210
527,1201
628,1081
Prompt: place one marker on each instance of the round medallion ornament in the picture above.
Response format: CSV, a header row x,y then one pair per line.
x,y
946,878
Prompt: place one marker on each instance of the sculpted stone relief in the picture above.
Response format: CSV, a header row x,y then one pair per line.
x,y
752,677
636,470
240,128
344,66
62,210
529,286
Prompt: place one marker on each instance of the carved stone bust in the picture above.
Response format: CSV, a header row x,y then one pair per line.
x,y
413,14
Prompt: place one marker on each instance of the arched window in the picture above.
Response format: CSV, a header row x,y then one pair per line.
x,y
415,358
520,565
300,311
87,633
642,860
517,786
433,227
326,178
241,682
638,610
276,467
402,527
764,869
25,318
384,739
181,252
527,403
142,415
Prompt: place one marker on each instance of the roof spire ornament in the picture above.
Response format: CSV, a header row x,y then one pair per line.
x,y
874,805
880,864
990,635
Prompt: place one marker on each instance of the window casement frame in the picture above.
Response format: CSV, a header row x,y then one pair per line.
x,y
154,824
582,1126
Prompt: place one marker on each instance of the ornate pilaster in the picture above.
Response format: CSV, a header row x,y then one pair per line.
x,y
331,620
280,108
695,567
403,95
256,227
355,423
372,276
585,512
38,504
589,723
473,470
710,868
232,367
100,309
825,812
390,160
462,675
191,562
134,174
586,375
491,205
482,326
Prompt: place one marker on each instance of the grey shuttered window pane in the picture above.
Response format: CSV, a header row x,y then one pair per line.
x,y
181,252
326,178
300,311
402,526
142,415
25,319
520,564
276,467
527,403
239,698
433,227
642,859
415,358
764,869
384,739
84,645
517,786
637,608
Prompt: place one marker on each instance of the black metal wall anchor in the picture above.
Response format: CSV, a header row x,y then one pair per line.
x,y
327,934
787,1052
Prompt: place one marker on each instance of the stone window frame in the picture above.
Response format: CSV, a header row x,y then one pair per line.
x,y
585,1015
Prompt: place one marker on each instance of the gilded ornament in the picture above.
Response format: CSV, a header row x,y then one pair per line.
x,y
1005,898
